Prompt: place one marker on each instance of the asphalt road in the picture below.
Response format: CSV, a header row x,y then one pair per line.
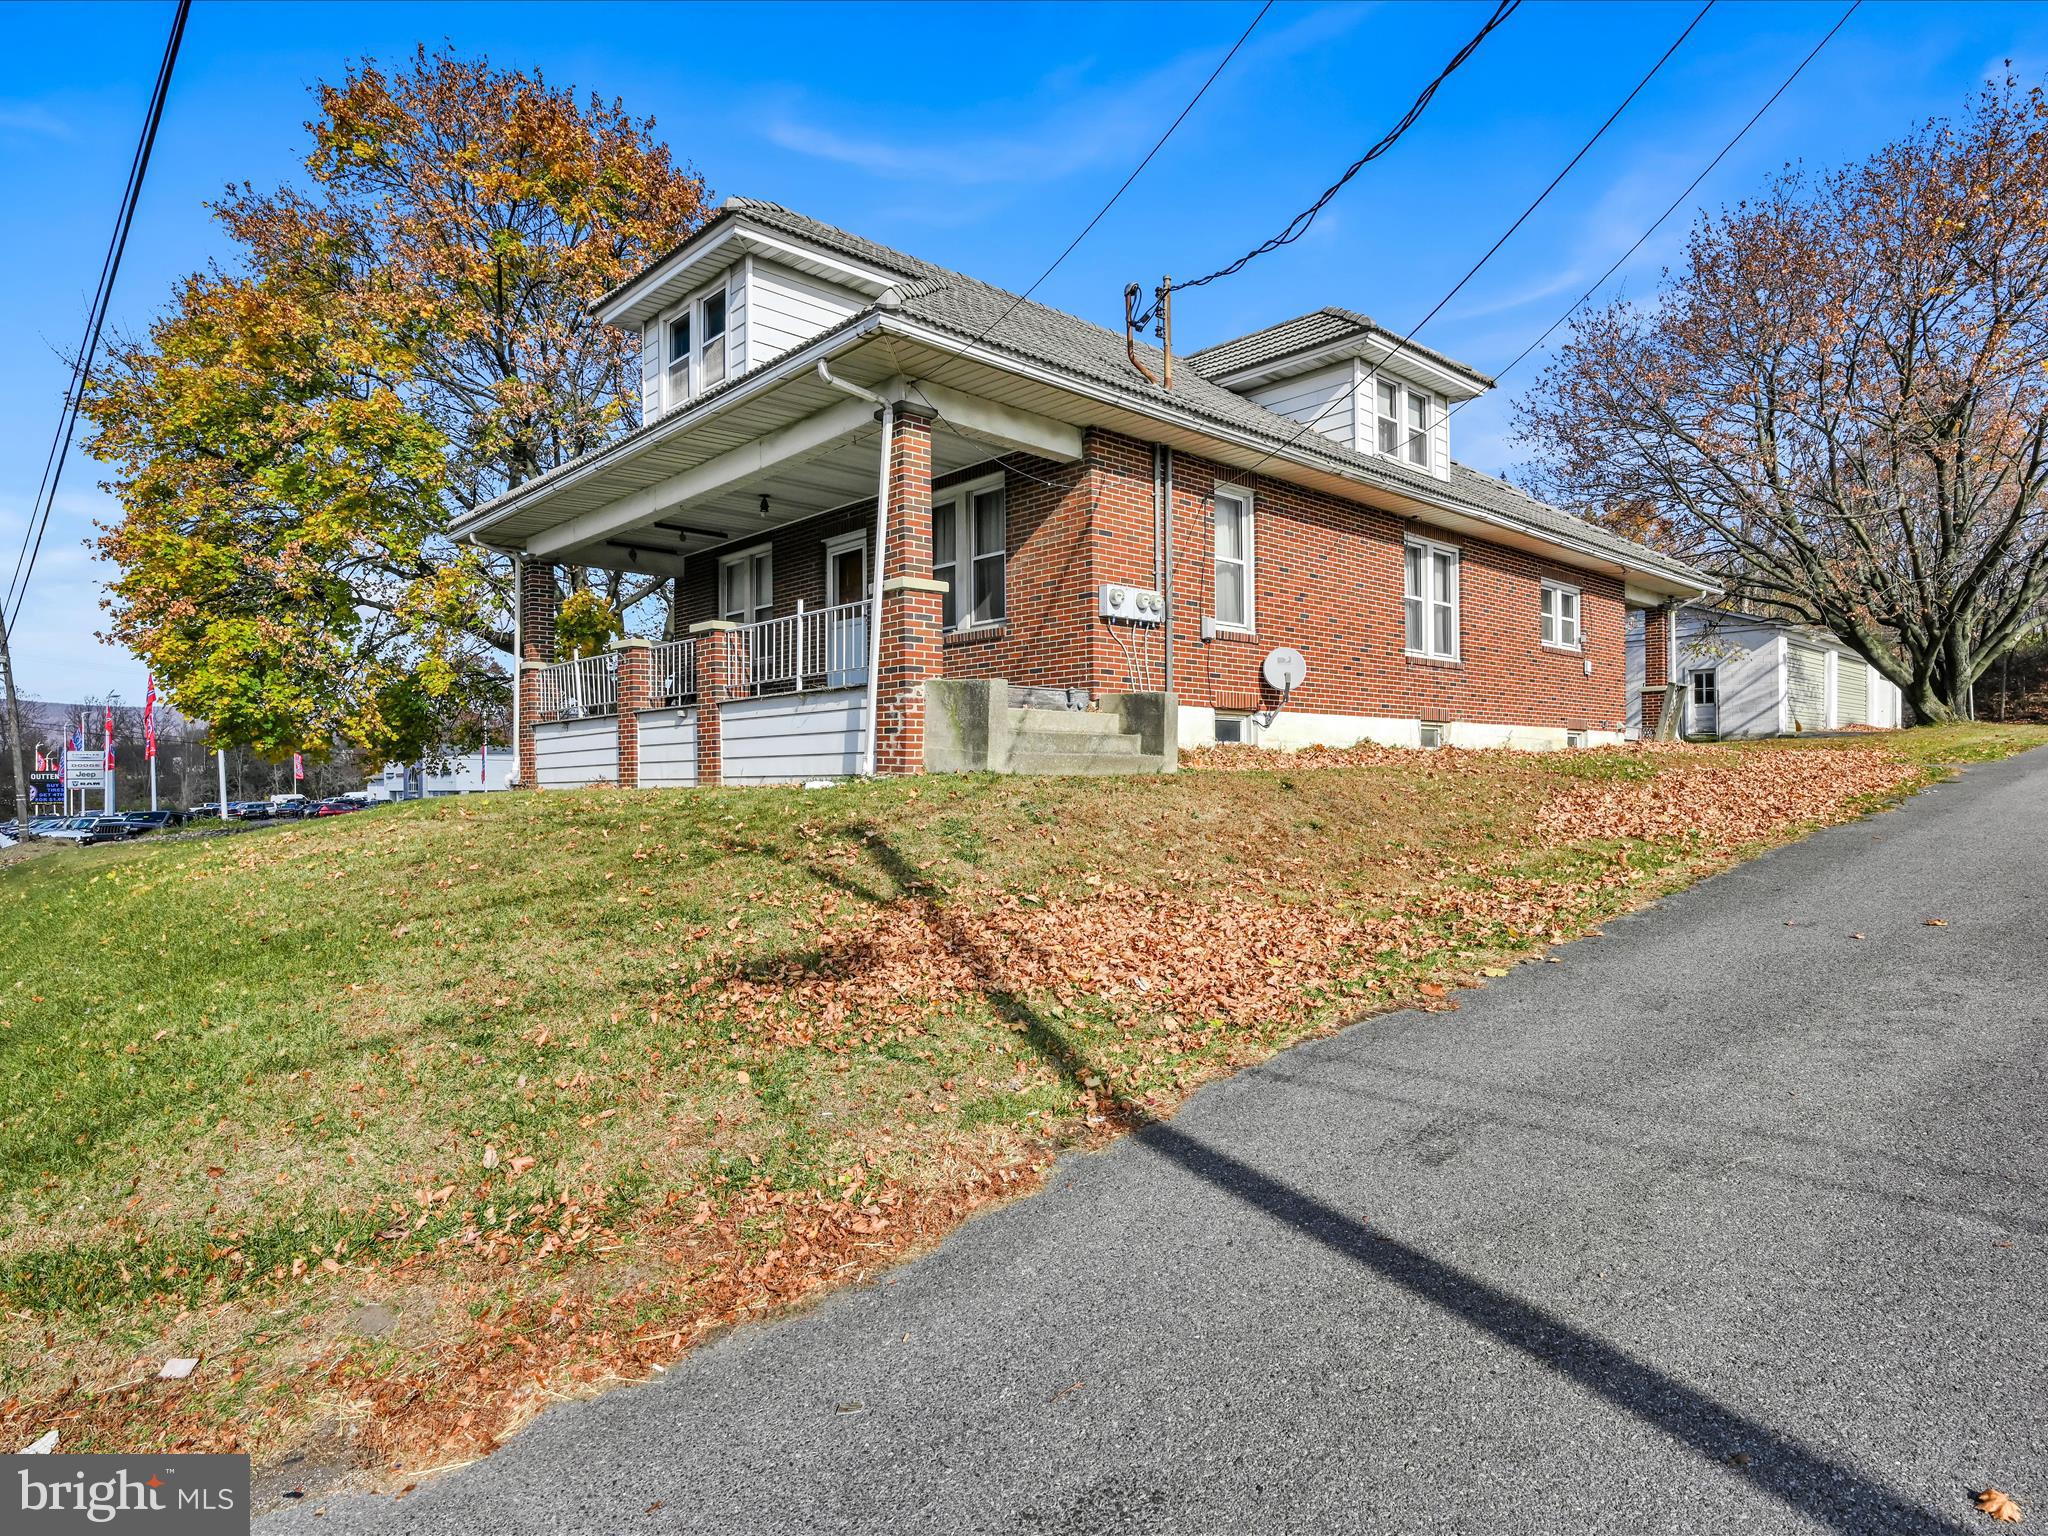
x,y
1729,1222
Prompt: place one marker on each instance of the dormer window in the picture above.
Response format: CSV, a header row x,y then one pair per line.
x,y
679,356
696,346
711,350
1403,422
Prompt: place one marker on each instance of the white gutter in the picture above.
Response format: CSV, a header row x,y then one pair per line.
x,y
867,746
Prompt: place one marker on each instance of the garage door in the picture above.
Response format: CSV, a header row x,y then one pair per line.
x,y
1852,691
1806,687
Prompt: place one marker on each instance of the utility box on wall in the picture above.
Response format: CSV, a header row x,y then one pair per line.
x,y
1130,605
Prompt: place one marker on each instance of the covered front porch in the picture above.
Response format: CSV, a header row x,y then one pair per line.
x,y
799,652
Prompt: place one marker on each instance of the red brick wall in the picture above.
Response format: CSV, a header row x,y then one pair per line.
x,y
1327,579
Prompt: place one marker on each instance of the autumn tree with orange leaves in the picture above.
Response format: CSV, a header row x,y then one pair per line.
x,y
398,340
1838,402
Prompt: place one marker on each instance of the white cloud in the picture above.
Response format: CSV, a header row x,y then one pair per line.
x,y
1068,124
29,117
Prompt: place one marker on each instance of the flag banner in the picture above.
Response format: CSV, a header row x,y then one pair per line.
x,y
110,735
149,719
298,767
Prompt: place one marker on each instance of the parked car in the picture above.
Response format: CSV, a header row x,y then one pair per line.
x,y
252,810
85,830
337,807
152,821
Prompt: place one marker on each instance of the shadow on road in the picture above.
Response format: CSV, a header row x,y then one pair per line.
x,y
1805,1480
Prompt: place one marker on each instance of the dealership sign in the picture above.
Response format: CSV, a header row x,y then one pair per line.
x,y
86,770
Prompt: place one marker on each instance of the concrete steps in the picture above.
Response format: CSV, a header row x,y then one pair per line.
x,y
982,725
1057,741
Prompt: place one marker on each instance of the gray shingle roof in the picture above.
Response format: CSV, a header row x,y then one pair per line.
x,y
973,311
1306,333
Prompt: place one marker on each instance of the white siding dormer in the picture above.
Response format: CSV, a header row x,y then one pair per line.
x,y
1324,400
787,308
701,342
650,372
749,314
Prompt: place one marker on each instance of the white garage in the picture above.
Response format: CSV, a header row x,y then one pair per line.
x,y
1742,675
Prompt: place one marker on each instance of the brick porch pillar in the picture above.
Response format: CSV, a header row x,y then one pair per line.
x,y
1657,625
910,616
636,692
714,685
534,584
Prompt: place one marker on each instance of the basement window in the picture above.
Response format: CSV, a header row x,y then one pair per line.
x,y
1233,729
1432,736
1574,739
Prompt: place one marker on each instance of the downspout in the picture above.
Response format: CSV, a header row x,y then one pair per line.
x,y
1166,589
867,750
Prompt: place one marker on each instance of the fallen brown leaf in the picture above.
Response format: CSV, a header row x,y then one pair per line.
x,y
2000,1506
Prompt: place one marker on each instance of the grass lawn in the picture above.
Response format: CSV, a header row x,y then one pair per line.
x,y
406,1122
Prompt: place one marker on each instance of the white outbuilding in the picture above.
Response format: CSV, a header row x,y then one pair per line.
x,y
1742,674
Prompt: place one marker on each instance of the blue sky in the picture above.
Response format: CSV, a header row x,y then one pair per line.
x,y
983,137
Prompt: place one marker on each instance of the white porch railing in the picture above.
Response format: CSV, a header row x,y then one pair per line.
x,y
815,648
675,672
573,690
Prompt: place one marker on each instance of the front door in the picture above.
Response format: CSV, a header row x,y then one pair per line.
x,y
1706,703
846,627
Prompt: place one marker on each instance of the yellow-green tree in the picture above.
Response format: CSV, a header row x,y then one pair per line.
x,y
400,339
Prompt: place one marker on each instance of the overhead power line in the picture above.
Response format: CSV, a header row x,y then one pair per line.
x,y
81,368
1658,222
1299,224
1089,227
1403,344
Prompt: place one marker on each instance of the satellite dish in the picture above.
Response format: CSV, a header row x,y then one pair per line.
x,y
1285,669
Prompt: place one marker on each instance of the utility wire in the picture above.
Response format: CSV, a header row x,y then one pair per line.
x,y
1403,344
81,369
1299,224
1658,222
1120,191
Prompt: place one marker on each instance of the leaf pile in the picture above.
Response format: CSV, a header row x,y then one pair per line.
x,y
1725,797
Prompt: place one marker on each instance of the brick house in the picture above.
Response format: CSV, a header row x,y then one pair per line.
x,y
1080,566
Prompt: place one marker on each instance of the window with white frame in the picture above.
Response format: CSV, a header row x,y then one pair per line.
x,y
696,345
970,553
746,586
1432,600
1561,615
1234,729
711,340
1706,689
1403,418
679,357
1429,737
1233,557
